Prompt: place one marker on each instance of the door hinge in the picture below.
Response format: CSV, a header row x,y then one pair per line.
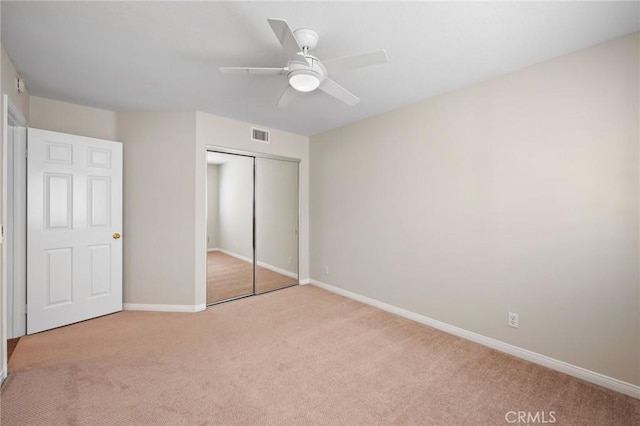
x,y
25,309
26,153
1,233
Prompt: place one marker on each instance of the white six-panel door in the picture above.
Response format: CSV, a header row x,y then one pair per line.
x,y
74,222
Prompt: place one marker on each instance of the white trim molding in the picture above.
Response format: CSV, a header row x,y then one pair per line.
x,y
554,364
163,308
236,255
278,270
213,249
262,264
3,376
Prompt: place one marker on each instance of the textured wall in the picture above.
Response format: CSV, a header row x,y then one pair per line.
x,y
159,207
517,194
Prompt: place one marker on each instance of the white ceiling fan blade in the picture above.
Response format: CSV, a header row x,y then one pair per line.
x,y
251,70
286,97
287,39
347,63
332,88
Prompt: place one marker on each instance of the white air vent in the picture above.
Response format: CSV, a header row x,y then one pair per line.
x,y
259,135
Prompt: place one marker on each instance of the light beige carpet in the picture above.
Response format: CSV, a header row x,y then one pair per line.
x,y
268,280
299,356
229,277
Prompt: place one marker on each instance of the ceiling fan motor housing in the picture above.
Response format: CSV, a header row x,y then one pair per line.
x,y
307,39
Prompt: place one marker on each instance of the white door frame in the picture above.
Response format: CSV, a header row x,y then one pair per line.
x,y
17,228
9,110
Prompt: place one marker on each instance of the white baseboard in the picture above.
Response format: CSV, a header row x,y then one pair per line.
x,y
305,281
554,364
213,249
163,308
262,264
278,270
236,255
3,375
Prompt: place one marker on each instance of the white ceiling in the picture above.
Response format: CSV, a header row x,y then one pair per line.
x,y
152,56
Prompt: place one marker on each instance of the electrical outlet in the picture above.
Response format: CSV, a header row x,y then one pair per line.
x,y
512,320
326,270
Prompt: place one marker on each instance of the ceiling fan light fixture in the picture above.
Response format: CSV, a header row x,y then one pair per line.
x,y
305,72
305,80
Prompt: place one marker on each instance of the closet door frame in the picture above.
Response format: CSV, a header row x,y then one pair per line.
x,y
256,155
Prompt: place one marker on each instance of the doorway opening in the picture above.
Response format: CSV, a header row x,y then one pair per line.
x,y
15,225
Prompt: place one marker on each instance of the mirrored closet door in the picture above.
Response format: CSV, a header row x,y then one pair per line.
x,y
276,224
252,224
229,226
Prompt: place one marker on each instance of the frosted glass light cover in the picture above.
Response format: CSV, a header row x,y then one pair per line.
x,y
303,82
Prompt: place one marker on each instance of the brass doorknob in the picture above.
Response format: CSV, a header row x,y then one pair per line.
x,y
116,236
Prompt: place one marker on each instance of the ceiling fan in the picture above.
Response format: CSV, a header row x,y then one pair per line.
x,y
304,72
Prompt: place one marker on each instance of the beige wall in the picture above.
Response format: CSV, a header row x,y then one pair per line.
x,y
519,194
224,132
159,195
213,175
8,82
235,219
80,120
